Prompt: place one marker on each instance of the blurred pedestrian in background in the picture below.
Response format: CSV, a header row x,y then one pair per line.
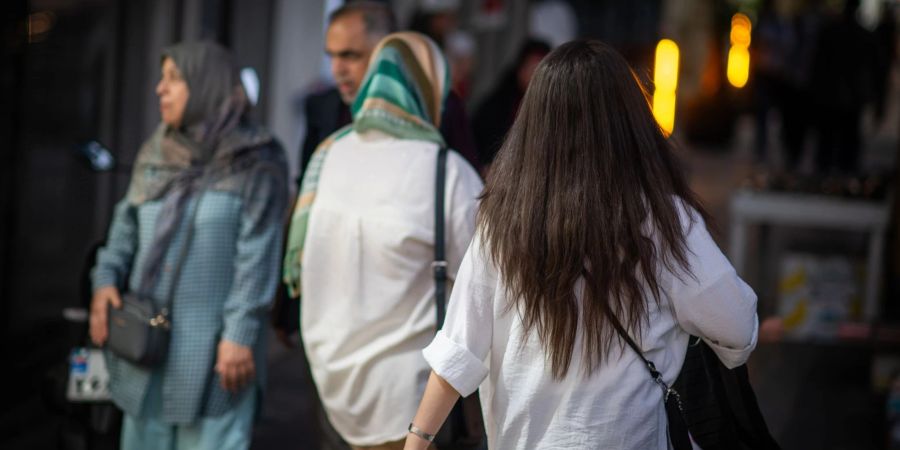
x,y
362,243
353,31
497,112
200,230
841,83
885,36
773,39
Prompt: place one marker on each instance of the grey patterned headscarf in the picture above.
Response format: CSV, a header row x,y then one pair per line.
x,y
215,148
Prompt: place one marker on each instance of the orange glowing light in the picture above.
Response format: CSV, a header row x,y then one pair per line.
x,y
738,69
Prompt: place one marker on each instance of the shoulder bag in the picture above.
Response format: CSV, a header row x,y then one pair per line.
x,y
139,331
708,403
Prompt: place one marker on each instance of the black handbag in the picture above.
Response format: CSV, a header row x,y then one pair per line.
x,y
464,427
139,331
708,402
720,407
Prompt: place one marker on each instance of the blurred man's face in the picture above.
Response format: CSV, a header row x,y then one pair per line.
x,y
349,47
526,70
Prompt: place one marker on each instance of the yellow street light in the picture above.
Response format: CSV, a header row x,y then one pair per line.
x,y
664,110
665,80
738,68
665,72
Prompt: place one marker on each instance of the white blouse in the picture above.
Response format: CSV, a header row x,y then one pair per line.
x,y
368,293
618,406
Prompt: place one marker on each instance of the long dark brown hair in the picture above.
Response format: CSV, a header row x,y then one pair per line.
x,y
583,180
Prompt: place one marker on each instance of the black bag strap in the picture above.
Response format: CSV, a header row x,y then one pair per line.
x,y
462,432
439,265
655,374
678,431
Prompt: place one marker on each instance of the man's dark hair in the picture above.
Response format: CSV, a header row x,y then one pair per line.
x,y
377,16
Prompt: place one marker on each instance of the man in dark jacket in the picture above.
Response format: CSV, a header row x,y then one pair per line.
x,y
497,112
353,32
841,82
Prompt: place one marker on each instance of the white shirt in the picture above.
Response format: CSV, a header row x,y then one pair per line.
x,y
368,291
618,406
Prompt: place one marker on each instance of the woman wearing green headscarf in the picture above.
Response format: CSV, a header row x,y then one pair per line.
x,y
199,230
361,244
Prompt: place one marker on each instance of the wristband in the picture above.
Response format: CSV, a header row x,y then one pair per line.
x,y
418,432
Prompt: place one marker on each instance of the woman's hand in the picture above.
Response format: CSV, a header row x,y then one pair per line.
x,y
103,298
771,330
234,365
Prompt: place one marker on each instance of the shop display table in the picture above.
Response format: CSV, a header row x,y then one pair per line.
x,y
813,211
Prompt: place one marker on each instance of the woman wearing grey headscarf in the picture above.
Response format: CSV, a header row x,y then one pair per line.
x,y
205,154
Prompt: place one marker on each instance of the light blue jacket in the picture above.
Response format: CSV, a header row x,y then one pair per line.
x,y
228,281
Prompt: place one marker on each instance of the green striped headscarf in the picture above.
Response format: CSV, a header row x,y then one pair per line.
x,y
402,95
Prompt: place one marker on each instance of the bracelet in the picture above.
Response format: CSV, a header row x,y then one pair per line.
x,y
418,432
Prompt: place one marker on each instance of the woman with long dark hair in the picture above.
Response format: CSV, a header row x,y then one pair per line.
x,y
586,222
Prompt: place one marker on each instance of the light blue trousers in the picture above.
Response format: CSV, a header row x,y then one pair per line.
x,y
230,431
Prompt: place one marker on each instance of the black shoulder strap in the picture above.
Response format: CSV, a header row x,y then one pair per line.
x,y
439,266
678,430
620,330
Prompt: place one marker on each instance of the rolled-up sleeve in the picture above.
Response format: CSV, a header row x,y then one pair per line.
x,y
713,302
459,350
455,363
724,315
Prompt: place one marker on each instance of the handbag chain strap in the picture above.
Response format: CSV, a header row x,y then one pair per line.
x,y
668,392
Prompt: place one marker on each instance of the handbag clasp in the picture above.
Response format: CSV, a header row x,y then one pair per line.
x,y
160,321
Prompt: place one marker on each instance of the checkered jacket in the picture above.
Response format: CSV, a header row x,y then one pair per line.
x,y
227,283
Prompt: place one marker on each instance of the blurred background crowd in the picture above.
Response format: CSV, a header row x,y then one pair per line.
x,y
786,114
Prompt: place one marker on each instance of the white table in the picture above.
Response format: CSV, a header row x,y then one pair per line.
x,y
814,211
